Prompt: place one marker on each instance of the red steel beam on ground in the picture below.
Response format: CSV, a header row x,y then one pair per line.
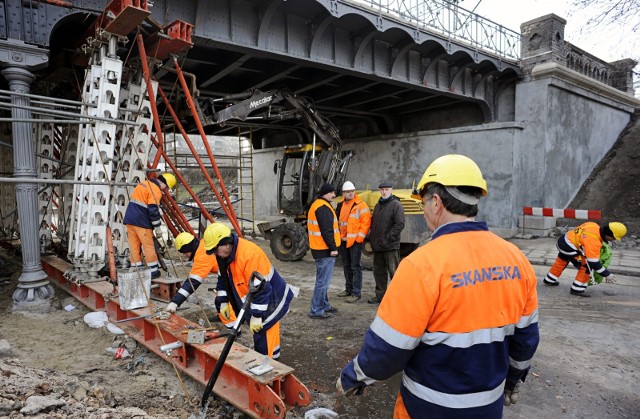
x,y
265,396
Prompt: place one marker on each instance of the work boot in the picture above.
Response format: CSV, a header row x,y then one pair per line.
x,y
579,293
353,298
155,274
550,284
324,315
344,293
374,300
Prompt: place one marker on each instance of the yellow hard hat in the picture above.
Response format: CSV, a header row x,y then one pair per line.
x,y
452,170
618,230
170,180
214,233
182,239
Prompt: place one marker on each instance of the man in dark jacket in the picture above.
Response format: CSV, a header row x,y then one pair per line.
x,y
386,225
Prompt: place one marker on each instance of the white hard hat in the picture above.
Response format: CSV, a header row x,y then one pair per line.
x,y
348,186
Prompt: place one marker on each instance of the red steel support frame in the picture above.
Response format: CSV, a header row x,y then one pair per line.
x,y
185,136
265,396
173,167
159,143
192,107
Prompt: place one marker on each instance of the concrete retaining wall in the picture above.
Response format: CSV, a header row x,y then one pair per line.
x,y
565,124
402,160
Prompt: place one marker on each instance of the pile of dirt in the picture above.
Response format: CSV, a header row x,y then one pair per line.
x,y
613,186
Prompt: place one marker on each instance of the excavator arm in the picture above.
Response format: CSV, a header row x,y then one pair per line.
x,y
303,168
269,106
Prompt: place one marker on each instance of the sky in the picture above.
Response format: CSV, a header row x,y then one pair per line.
x,y
607,42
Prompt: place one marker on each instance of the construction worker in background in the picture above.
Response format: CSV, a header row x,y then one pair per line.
x,y
460,317
324,240
581,246
354,219
237,259
203,264
387,224
142,216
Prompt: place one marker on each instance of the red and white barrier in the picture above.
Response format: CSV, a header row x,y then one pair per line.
x,y
563,213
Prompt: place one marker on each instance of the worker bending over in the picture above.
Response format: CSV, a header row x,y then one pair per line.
x,y
203,265
460,317
142,216
236,259
581,246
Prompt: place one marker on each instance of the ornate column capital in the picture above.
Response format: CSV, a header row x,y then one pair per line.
x,y
19,79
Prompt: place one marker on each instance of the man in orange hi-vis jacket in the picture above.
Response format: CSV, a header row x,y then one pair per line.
x,y
354,219
581,246
142,216
460,317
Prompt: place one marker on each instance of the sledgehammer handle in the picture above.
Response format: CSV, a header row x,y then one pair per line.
x,y
253,290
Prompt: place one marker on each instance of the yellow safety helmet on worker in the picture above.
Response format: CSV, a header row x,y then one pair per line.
x,y
618,229
183,239
215,233
169,179
451,170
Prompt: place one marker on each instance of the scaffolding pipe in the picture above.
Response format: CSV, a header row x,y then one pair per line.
x,y
42,111
53,99
48,121
192,108
49,104
63,181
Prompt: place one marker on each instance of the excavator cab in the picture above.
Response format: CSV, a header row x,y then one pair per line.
x,y
296,180
301,172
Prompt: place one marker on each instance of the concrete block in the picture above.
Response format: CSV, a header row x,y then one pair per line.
x,y
536,225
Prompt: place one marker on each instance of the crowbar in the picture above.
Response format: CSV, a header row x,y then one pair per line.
x,y
253,290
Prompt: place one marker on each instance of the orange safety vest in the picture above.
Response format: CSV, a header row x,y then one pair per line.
x,y
316,242
586,238
355,220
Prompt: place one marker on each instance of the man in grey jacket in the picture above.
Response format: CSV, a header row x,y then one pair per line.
x,y
386,225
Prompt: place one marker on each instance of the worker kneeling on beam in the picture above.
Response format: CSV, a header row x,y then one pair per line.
x,y
142,216
583,247
236,259
460,317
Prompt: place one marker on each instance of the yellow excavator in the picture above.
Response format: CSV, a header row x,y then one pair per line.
x,y
302,170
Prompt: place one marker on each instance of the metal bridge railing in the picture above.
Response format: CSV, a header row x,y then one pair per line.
x,y
453,22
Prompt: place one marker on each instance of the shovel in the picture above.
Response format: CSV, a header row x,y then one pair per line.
x,y
253,290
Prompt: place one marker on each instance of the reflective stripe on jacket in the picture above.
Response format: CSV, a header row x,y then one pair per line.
x,y
316,240
587,241
143,209
203,265
271,303
459,318
354,220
